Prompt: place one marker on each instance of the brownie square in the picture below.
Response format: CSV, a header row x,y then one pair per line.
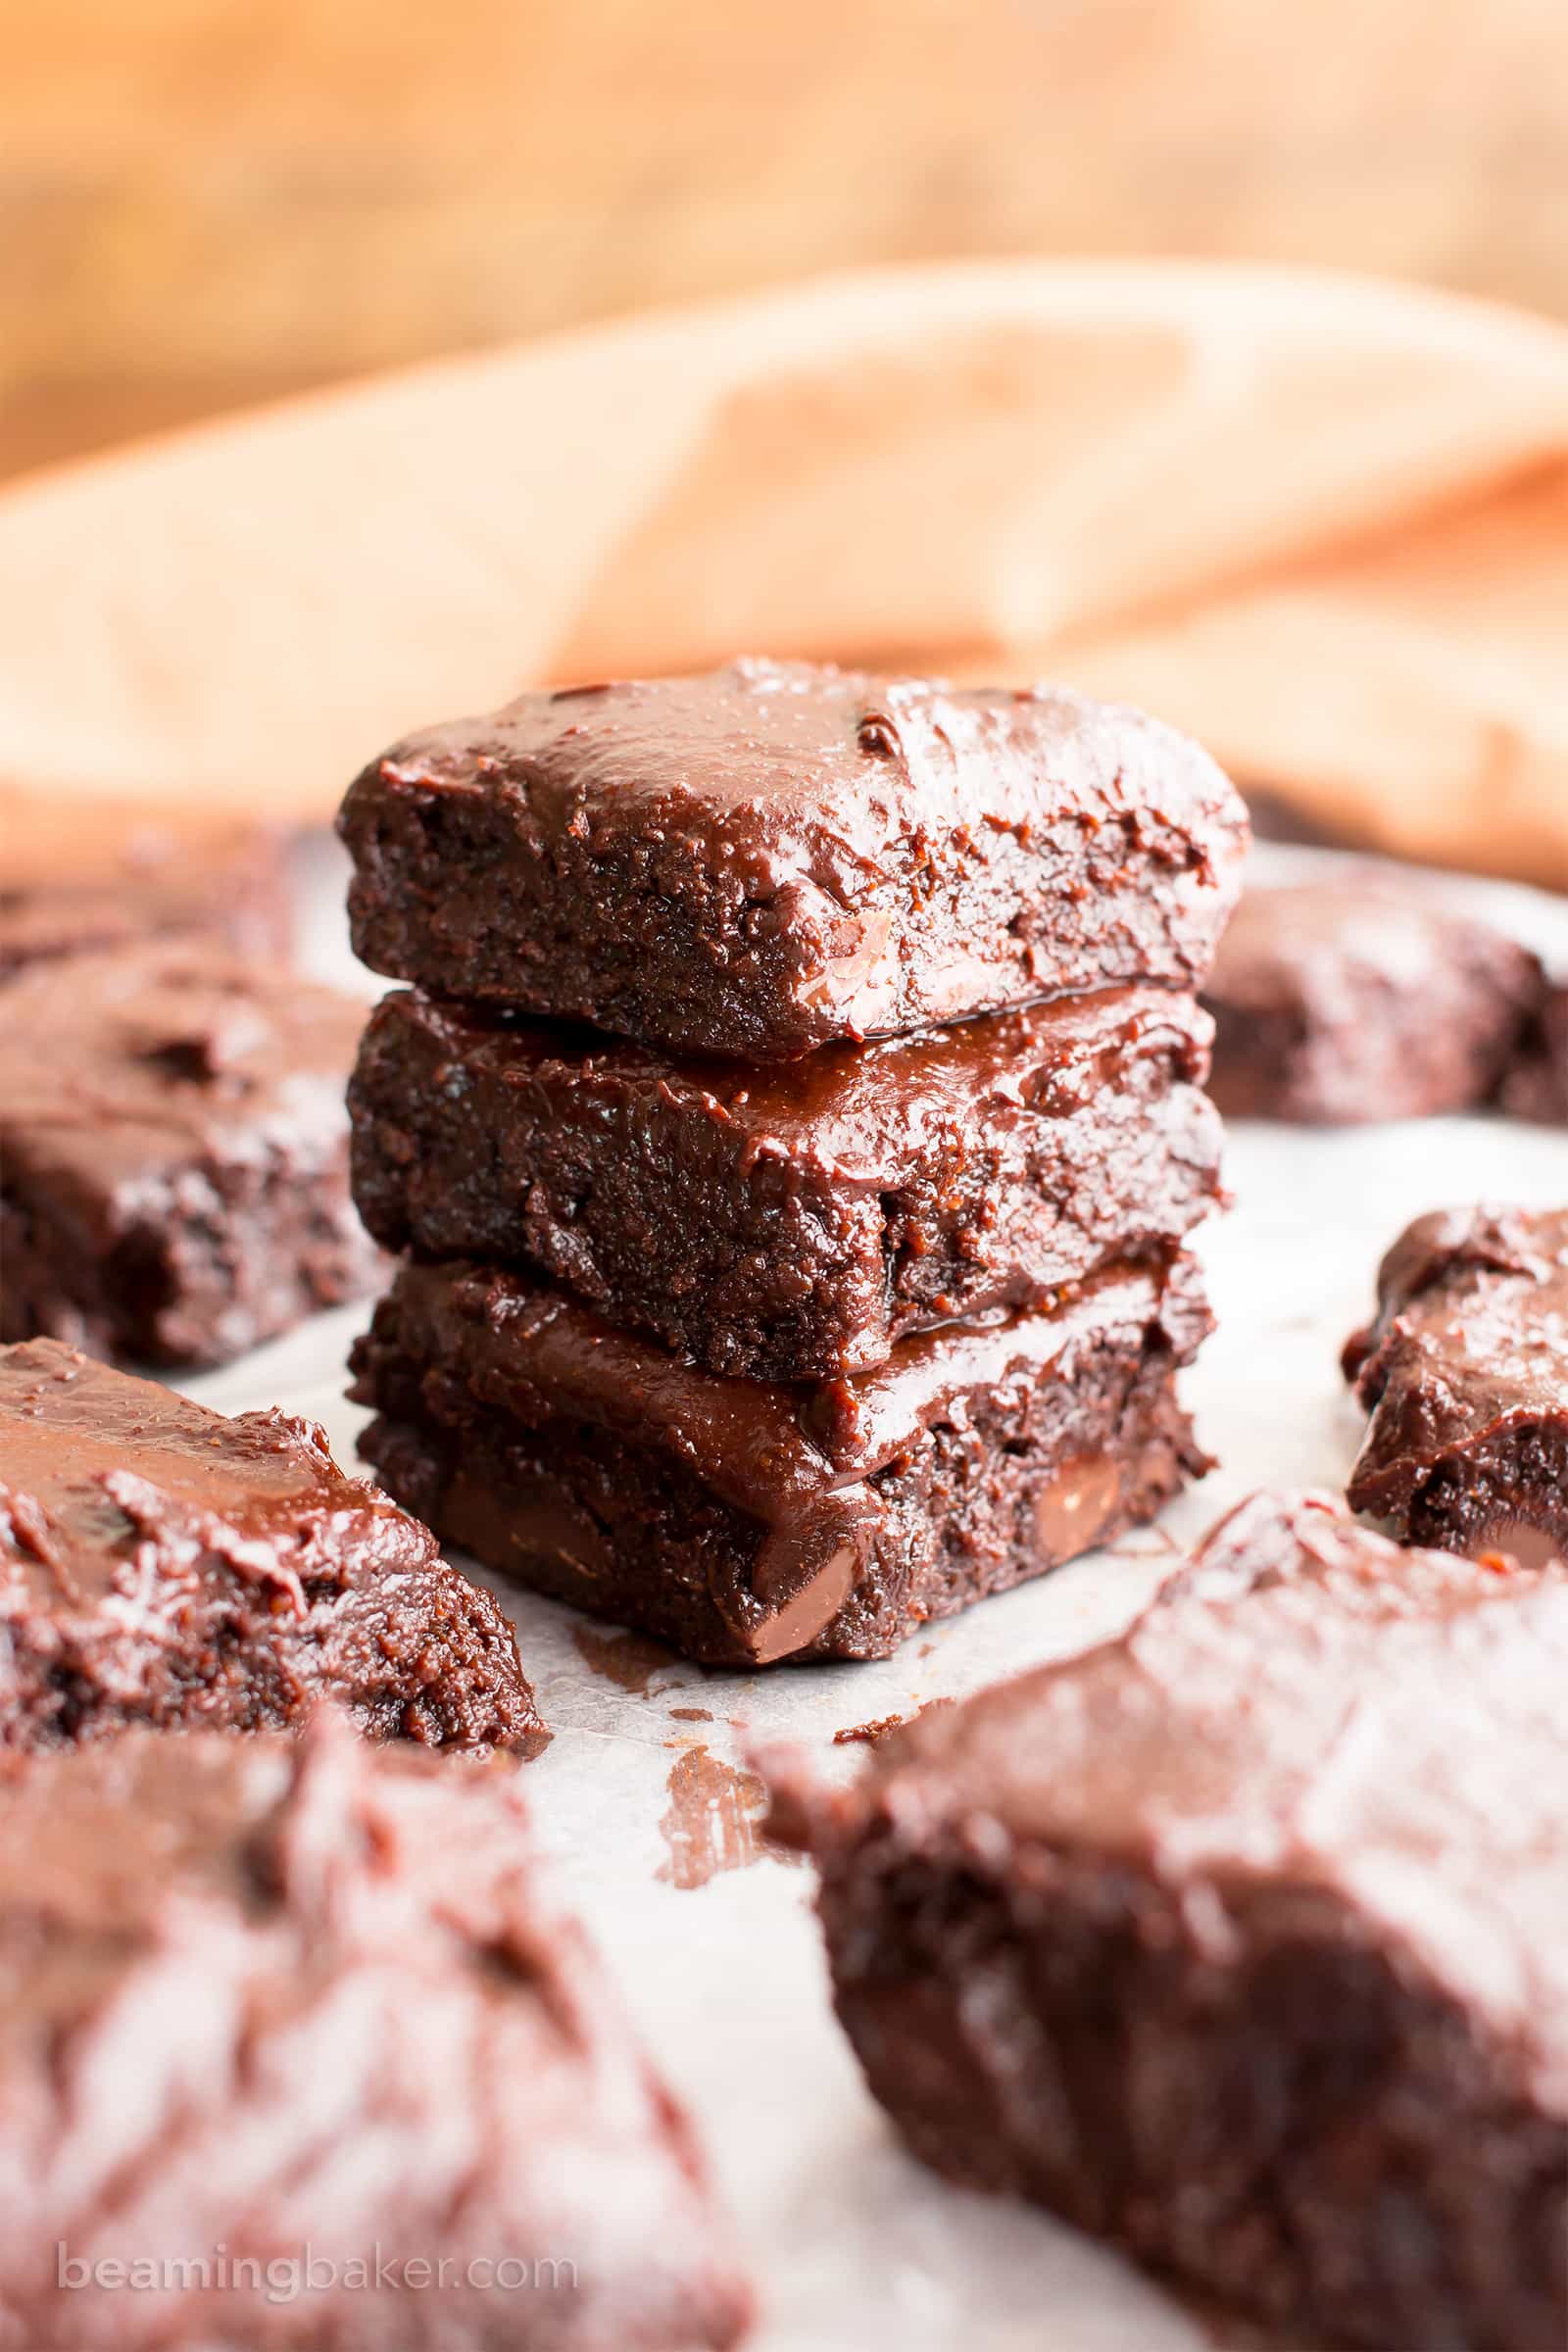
x,y
298,2051
1357,998
1238,1939
747,1522
173,1154
1464,1371
162,1565
79,878
775,856
794,1220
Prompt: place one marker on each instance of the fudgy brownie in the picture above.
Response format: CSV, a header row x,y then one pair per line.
x,y
746,1521
173,1154
776,856
161,1565
79,880
1350,1000
298,2052
1238,1939
1536,1084
1465,1373
791,1220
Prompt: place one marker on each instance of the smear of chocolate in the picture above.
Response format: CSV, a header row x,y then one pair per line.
x,y
628,1660
713,1819
868,1733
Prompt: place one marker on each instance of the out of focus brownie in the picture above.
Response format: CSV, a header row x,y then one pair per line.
x,y
794,1220
1238,1939
776,856
1536,1087
80,876
1464,1370
173,1154
1352,999
161,1565
749,1521
299,2054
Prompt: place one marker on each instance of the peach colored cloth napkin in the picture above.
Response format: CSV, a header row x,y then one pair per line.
x,y
1321,522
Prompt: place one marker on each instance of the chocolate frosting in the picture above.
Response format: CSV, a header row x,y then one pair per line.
x,y
792,1219
1308,1707
775,854
173,1152
798,1458
1362,997
114,1066
1468,1353
162,1564
265,1998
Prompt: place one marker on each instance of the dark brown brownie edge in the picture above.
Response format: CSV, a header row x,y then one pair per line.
x,y
1055,2028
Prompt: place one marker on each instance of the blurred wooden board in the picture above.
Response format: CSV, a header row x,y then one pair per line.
x,y
202,206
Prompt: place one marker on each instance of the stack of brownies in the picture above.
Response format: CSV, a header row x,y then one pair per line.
x,y
833,1277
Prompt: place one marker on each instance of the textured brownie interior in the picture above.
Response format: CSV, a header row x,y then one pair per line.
x,y
1314,2131
795,1221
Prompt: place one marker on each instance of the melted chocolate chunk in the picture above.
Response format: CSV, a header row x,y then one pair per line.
x,y
749,1521
1465,1373
775,857
162,1565
296,2049
1238,1939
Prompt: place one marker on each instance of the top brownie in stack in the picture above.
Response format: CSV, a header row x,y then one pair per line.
x,y
776,885
777,855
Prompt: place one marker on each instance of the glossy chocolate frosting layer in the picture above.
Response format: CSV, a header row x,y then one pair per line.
x,y
1465,1372
795,1219
799,1482
173,1152
774,856
160,1564
1359,1659
1239,1939
280,2018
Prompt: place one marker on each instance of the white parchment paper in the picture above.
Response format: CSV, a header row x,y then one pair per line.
x,y
856,2247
